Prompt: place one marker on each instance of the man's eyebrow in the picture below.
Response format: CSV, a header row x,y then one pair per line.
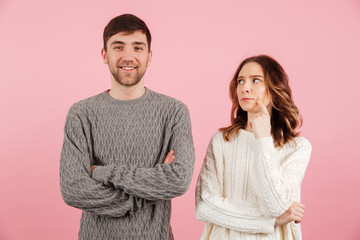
x,y
134,43
117,42
139,43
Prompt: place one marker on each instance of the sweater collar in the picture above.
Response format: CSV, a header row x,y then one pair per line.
x,y
133,101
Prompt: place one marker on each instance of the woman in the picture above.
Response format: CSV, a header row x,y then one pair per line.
x,y
249,184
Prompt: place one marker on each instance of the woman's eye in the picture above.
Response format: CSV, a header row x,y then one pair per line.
x,y
240,81
256,80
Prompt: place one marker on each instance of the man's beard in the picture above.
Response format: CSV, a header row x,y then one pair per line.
x,y
133,81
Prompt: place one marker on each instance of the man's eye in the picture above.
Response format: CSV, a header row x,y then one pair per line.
x,y
138,49
118,48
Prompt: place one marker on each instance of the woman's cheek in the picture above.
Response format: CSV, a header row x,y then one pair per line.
x,y
264,97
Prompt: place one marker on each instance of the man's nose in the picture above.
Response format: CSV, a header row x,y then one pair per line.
x,y
128,55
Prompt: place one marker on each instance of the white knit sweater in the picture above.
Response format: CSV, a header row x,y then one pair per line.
x,y
246,183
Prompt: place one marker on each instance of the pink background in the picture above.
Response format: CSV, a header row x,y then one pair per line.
x,y
50,58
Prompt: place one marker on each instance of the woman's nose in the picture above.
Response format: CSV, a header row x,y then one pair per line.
x,y
246,88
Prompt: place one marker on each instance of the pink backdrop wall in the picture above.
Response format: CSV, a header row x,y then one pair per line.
x,y
50,58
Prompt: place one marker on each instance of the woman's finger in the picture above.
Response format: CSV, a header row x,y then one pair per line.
x,y
299,204
263,107
299,214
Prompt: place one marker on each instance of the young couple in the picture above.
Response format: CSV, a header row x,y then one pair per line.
x,y
128,151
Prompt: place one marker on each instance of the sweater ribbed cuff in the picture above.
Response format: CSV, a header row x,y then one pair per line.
x,y
267,225
263,145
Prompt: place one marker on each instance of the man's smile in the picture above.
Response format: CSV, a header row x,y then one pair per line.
x,y
127,68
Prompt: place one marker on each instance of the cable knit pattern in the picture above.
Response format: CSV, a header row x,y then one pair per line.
x,y
246,183
128,195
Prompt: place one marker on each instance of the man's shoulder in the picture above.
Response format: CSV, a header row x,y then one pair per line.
x,y
87,103
166,100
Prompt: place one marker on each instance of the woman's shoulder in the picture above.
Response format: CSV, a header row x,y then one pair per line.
x,y
301,143
218,139
217,136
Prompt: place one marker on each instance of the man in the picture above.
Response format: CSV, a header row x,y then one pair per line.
x,y
118,159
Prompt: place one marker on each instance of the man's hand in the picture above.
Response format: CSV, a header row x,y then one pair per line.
x,y
170,157
294,213
92,167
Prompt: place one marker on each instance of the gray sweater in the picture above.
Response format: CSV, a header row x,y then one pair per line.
x,y
129,194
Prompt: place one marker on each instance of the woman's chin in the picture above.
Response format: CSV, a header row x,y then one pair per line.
x,y
246,108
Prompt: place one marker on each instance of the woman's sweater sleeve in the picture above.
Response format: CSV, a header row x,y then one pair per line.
x,y
279,179
212,207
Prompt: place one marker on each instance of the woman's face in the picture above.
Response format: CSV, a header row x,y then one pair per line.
x,y
252,87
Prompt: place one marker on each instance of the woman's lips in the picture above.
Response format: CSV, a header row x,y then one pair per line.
x,y
247,99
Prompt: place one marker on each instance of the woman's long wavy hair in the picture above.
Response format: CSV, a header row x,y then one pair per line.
x,y
285,117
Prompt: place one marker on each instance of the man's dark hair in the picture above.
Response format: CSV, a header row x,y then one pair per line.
x,y
127,23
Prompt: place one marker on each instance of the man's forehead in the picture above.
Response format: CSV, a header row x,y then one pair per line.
x,y
128,37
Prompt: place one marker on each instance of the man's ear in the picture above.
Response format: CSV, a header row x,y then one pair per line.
x,y
104,56
150,57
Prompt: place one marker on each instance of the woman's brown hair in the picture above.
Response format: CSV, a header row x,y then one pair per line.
x,y
285,118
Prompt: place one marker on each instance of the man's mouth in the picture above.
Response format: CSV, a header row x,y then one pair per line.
x,y
128,68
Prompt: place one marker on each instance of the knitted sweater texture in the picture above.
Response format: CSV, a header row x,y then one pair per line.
x,y
129,194
246,183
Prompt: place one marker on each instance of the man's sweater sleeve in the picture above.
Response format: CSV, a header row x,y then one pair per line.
x,y
277,180
163,181
77,187
211,206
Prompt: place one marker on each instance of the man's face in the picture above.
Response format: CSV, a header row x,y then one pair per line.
x,y
127,56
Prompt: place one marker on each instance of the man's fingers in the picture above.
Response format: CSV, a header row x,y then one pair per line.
x,y
169,157
92,167
172,159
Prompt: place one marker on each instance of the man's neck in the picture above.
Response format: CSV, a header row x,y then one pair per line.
x,y
121,92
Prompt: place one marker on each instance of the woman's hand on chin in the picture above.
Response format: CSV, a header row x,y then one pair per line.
x,y
260,122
